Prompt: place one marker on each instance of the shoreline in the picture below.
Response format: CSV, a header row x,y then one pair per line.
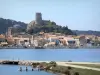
x,y
58,67
50,48
61,62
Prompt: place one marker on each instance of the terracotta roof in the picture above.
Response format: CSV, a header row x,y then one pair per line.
x,y
41,33
2,36
52,43
25,36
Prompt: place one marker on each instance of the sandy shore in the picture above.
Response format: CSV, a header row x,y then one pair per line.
x,y
77,66
60,63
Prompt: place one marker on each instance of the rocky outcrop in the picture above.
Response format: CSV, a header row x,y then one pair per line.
x,y
31,25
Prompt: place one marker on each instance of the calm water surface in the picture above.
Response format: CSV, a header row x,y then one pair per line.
x,y
13,70
92,55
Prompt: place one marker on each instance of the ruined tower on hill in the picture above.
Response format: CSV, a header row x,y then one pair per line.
x,y
38,19
38,22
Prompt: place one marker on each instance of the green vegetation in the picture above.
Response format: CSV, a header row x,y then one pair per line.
x,y
50,27
96,41
54,68
89,32
5,23
42,42
88,65
86,72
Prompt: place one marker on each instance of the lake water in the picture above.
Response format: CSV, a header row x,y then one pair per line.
x,y
92,55
13,70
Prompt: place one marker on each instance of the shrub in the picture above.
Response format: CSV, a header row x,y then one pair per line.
x,y
53,63
69,68
35,64
67,72
44,63
76,73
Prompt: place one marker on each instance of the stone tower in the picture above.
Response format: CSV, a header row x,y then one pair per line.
x,y
9,31
38,19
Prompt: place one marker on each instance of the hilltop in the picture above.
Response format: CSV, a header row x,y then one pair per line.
x,y
48,27
5,23
39,25
34,26
89,32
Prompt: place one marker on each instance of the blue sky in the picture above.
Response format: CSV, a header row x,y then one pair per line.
x,y
76,14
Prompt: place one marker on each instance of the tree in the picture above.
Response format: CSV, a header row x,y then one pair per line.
x,y
42,42
96,41
69,68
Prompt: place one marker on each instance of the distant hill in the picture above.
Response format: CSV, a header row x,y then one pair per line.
x,y
5,23
48,27
90,32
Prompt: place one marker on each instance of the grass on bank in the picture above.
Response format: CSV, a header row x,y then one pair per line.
x,y
88,65
86,71
63,70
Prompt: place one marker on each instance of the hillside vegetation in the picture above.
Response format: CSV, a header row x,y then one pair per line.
x,y
5,23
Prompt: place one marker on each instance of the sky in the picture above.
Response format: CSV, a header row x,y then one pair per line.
x,y
76,14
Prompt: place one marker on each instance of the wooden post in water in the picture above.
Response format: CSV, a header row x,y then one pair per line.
x,y
20,68
26,69
13,60
32,69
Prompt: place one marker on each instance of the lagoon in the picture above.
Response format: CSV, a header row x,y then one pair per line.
x,y
13,70
80,55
